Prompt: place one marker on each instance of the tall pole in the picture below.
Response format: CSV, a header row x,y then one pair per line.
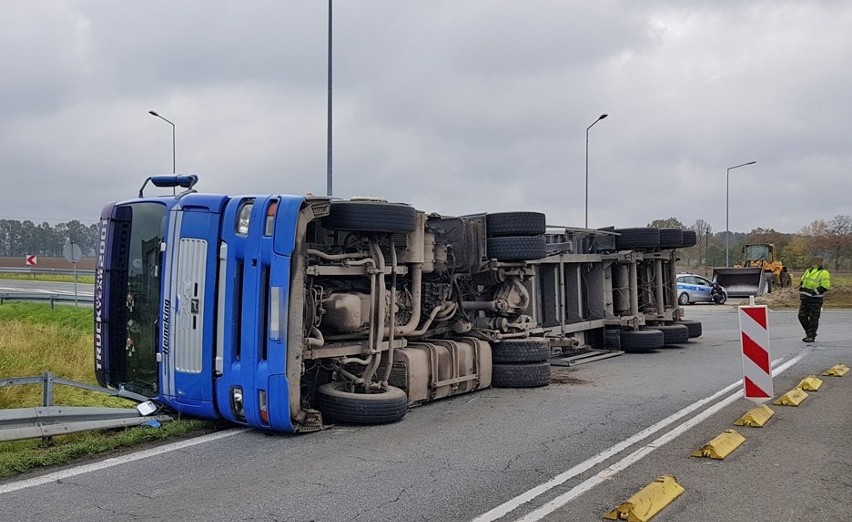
x,y
329,186
727,208
152,113
602,116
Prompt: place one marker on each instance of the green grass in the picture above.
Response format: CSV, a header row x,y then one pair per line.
x,y
50,277
35,338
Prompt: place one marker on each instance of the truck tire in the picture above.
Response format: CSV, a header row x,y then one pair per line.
x,y
637,238
694,328
502,224
339,405
517,248
786,280
530,375
690,238
642,340
674,333
671,238
371,216
520,351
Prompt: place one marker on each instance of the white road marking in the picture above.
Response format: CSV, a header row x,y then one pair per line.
x,y
514,503
116,461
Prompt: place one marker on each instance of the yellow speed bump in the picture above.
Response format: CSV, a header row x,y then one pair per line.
x,y
838,370
810,383
793,397
756,417
648,501
721,445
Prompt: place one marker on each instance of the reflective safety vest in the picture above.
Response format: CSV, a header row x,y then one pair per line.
x,y
814,278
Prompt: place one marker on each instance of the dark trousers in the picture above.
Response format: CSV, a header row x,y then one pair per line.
x,y
809,310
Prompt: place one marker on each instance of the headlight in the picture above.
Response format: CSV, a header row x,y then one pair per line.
x,y
237,404
243,218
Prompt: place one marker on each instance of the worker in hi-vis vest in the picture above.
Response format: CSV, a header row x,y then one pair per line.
x,y
815,282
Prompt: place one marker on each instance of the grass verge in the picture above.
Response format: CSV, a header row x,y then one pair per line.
x,y
57,278
35,338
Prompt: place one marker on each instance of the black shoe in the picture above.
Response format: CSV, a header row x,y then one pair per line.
x,y
808,339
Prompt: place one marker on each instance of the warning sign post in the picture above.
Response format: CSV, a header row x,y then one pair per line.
x,y
757,363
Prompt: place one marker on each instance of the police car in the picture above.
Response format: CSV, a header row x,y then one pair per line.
x,y
692,288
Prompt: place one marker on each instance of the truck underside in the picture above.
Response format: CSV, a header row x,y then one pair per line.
x,y
459,304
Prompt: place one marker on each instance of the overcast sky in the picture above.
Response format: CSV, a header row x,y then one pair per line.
x,y
453,106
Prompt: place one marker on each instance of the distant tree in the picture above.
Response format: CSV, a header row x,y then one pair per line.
x,y
795,253
667,223
715,255
817,237
839,240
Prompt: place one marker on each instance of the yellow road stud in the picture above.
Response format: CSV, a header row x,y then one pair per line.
x,y
648,501
793,397
810,383
756,417
721,445
838,370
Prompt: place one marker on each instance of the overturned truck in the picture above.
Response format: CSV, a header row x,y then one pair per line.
x,y
290,313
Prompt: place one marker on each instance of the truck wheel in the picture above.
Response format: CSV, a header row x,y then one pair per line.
x,y
636,238
642,340
339,405
517,248
502,224
694,328
683,299
530,375
786,280
520,351
674,333
371,216
690,238
671,238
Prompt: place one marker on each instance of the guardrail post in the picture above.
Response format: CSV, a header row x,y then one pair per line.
x,y
47,389
47,395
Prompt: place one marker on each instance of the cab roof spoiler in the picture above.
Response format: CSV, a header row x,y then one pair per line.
x,y
186,181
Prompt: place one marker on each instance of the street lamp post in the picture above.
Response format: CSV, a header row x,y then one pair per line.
x,y
727,207
328,182
602,116
153,113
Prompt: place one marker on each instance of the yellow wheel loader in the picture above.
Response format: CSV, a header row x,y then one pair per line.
x,y
759,272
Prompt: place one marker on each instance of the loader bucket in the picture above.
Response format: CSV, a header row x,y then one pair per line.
x,y
741,282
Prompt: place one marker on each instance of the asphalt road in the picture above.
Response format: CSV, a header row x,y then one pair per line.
x,y
471,457
45,287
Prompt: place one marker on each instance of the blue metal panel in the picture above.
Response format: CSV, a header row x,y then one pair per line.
x,y
238,357
255,352
189,388
102,298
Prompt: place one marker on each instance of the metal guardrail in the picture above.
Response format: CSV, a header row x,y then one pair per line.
x,y
53,298
49,420
48,271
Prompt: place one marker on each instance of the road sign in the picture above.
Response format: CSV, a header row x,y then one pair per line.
x,y
72,252
32,260
757,363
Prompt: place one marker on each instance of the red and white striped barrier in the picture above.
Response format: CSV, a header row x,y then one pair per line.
x,y
757,363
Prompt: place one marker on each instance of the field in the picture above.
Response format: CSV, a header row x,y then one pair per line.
x,y
35,338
